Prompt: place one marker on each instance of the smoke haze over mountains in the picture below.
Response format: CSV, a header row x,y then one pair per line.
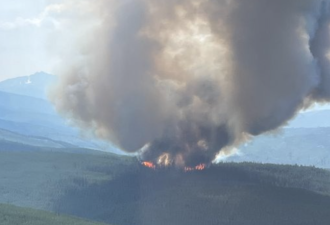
x,y
179,81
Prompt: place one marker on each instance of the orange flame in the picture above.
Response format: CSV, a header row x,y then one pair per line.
x,y
198,167
149,165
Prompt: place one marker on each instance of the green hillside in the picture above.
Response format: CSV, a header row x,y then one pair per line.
x,y
118,190
36,179
13,215
238,194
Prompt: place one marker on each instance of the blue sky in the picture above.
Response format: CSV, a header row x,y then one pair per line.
x,y
25,30
38,35
23,42
35,35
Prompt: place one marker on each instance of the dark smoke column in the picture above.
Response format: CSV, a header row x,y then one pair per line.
x,y
179,81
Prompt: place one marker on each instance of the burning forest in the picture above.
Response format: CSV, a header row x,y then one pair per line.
x,y
153,166
177,82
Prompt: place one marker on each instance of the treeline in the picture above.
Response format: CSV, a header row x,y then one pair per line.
x,y
294,176
244,193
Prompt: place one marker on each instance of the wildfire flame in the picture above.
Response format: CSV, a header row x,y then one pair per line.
x,y
198,167
149,165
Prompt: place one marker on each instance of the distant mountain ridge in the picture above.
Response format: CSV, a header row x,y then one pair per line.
x,y
35,85
301,146
25,110
11,137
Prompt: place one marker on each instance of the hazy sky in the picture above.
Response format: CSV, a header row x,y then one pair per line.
x,y
25,27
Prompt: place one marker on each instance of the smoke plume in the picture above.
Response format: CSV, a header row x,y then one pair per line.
x,y
177,81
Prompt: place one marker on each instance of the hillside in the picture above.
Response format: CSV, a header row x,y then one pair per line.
x,y
118,190
225,194
12,215
34,85
25,110
10,140
37,178
302,146
36,117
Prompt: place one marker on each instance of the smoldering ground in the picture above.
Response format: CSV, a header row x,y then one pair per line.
x,y
179,81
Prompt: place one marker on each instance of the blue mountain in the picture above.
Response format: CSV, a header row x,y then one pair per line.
x,y
35,85
25,110
304,141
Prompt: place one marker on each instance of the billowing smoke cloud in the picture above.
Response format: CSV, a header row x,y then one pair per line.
x,y
179,81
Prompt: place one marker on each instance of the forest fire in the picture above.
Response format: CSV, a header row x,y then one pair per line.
x,y
198,167
149,165
185,169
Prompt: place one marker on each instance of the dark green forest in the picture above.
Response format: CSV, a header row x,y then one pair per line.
x,y
118,190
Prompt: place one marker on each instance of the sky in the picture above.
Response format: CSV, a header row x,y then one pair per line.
x,y
35,34
25,30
